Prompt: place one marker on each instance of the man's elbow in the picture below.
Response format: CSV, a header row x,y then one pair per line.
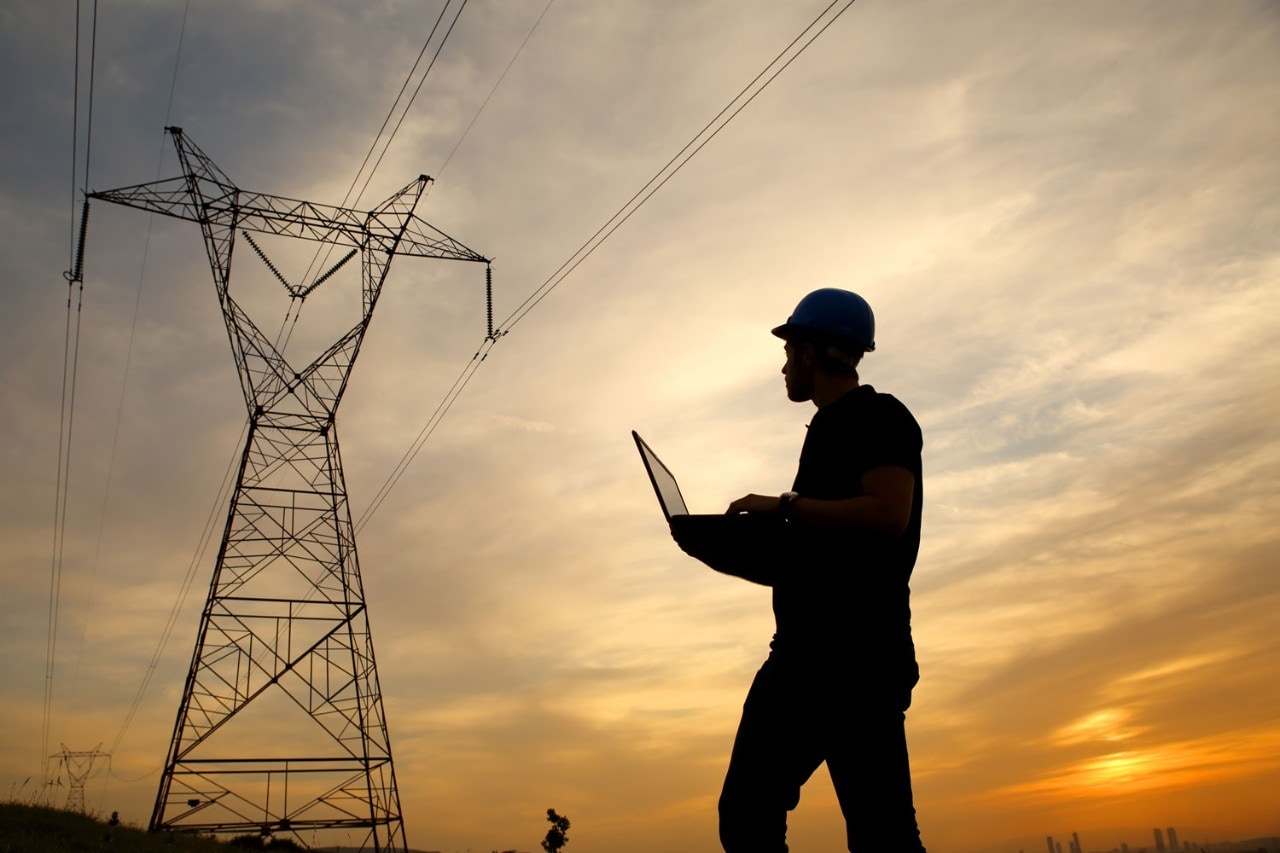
x,y
894,524
892,491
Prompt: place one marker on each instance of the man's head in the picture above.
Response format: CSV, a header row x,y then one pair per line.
x,y
826,337
840,318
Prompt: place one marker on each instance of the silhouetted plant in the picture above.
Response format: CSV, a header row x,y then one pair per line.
x,y
262,842
558,834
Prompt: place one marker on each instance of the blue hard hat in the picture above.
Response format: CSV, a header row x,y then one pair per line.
x,y
833,315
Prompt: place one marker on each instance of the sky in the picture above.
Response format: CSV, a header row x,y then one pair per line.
x,y
1064,216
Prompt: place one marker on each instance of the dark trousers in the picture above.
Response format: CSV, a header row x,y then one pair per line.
x,y
795,718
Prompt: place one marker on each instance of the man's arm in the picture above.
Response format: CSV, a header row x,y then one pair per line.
x,y
754,556
884,505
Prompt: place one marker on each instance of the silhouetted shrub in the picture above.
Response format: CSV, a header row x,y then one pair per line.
x,y
557,835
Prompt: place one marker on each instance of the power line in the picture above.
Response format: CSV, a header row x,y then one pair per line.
x,y
70,362
469,370
464,378
494,90
197,558
396,103
93,62
327,250
75,141
124,386
708,132
414,97
128,359
70,371
450,397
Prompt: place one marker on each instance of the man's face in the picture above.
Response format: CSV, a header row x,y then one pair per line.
x,y
797,371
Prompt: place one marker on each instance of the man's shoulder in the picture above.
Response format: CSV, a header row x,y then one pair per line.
x,y
877,422
866,402
891,407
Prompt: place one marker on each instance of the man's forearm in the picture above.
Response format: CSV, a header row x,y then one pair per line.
x,y
884,507
860,513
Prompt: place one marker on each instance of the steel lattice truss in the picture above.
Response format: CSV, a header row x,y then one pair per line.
x,y
284,654
78,766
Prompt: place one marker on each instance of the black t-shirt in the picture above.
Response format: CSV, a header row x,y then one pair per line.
x,y
843,595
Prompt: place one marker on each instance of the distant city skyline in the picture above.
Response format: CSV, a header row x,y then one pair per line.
x,y
1163,840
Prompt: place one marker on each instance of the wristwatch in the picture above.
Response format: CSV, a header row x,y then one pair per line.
x,y
784,503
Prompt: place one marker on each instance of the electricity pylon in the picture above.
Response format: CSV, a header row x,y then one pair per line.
x,y
79,766
281,726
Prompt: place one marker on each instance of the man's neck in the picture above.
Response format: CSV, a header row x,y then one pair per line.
x,y
827,388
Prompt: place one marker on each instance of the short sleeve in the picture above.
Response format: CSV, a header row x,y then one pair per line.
x,y
861,431
891,436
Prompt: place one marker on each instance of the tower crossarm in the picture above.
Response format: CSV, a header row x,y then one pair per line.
x,y
289,217
423,240
271,214
206,195
382,227
170,197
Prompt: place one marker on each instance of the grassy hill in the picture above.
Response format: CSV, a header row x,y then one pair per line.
x,y
34,829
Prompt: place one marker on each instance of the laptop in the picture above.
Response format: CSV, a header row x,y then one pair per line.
x,y
664,482
746,546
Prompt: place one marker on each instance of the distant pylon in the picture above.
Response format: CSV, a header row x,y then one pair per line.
x,y
281,726
79,767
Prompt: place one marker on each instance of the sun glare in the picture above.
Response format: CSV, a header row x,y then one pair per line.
x,y
1175,765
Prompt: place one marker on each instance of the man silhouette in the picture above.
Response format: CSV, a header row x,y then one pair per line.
x,y
841,666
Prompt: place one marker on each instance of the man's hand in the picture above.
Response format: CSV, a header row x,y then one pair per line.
x,y
884,507
755,505
680,533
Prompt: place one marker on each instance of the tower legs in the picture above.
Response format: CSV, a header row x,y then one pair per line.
x,y
281,725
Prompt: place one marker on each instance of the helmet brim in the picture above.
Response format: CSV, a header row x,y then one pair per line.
x,y
792,332
786,331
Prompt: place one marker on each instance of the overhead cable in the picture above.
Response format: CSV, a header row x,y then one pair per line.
x,y
739,102
327,249
197,558
128,358
450,397
489,97
405,112
468,370
137,305
396,103
70,369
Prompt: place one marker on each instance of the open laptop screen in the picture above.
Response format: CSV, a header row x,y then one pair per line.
x,y
664,482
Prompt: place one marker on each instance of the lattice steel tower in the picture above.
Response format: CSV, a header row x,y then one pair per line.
x,y
281,726
79,767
